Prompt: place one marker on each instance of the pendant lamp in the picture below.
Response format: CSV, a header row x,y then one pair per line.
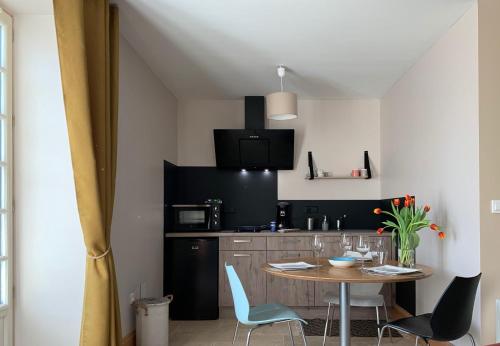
x,y
281,105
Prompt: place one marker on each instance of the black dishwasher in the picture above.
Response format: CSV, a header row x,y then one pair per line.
x,y
191,274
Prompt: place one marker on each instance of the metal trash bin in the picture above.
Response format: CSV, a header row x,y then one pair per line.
x,y
152,321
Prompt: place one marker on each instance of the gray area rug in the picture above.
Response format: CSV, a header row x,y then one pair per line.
x,y
359,328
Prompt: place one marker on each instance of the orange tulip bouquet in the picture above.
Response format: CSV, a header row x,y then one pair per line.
x,y
408,220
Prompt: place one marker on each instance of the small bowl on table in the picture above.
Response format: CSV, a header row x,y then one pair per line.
x,y
342,262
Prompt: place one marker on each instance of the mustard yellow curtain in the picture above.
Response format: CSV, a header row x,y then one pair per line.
x,y
87,37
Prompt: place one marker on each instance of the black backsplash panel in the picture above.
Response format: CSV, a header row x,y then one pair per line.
x,y
249,198
359,213
169,194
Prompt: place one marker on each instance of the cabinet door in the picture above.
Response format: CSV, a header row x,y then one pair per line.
x,y
247,265
332,248
286,291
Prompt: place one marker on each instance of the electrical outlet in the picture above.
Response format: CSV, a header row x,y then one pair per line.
x,y
311,209
131,298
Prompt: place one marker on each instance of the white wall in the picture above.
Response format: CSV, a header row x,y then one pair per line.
x,y
336,131
430,148
147,127
49,252
196,120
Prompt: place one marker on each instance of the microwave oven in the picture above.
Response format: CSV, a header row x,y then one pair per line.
x,y
197,217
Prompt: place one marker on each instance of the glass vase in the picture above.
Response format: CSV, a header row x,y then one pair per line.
x,y
406,257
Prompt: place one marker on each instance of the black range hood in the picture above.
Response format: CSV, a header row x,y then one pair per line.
x,y
254,147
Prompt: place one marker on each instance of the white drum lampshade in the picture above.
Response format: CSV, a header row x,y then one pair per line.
x,y
281,105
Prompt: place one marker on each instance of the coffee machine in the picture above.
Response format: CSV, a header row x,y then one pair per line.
x,y
283,215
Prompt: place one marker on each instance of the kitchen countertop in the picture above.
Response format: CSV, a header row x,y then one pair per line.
x,y
299,233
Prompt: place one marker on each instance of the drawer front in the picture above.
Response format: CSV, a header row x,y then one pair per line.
x,y
247,243
289,243
247,265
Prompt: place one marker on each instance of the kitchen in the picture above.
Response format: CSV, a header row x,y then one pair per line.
x,y
233,213
396,105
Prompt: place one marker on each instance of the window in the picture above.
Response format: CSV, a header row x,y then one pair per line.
x,y
5,179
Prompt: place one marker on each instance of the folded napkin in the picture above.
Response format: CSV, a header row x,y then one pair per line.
x,y
292,266
391,270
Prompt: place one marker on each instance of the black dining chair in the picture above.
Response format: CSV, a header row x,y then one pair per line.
x,y
450,319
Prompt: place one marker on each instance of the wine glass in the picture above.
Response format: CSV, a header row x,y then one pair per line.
x,y
379,246
363,247
345,243
318,246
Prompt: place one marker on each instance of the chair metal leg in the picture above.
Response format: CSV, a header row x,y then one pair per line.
x,y
248,336
381,333
291,334
378,323
236,331
326,322
303,334
472,339
387,320
331,320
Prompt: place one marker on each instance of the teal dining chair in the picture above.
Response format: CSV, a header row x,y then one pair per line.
x,y
260,315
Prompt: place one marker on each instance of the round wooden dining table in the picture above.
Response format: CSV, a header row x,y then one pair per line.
x,y
344,277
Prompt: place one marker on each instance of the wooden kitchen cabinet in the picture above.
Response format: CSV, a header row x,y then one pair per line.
x,y
332,246
286,291
248,253
248,267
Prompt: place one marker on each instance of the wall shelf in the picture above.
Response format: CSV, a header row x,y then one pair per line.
x,y
338,177
311,176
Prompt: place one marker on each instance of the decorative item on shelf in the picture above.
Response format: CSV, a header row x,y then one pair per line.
x,y
355,173
408,221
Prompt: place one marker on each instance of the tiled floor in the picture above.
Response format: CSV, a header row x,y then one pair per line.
x,y
220,333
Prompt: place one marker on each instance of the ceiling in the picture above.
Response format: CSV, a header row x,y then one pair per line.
x,y
230,48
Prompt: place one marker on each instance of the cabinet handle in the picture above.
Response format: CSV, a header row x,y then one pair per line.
x,y
242,241
241,255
